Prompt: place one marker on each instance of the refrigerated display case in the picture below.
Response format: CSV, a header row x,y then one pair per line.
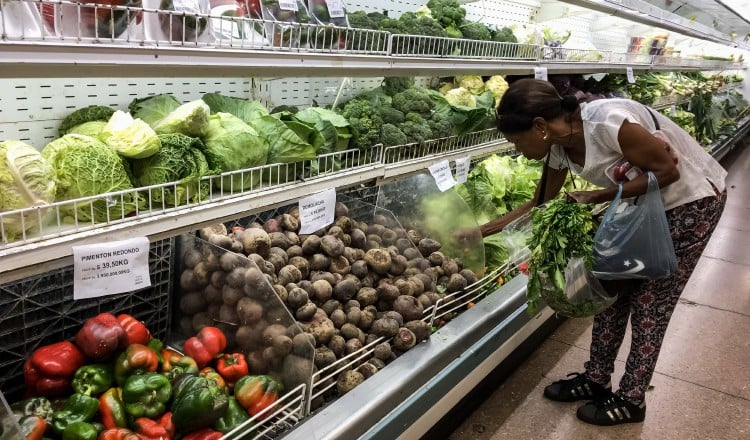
x,y
49,73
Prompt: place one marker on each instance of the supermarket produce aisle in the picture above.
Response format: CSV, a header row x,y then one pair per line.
x,y
701,388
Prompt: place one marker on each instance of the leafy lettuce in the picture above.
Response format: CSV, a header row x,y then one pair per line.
x,y
284,145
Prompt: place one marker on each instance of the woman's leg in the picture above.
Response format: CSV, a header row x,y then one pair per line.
x,y
606,337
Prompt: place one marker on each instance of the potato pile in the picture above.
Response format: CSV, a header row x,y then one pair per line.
x,y
348,285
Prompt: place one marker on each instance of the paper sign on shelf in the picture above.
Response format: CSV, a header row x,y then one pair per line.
x,y
441,171
289,5
462,169
673,111
335,8
317,211
540,73
629,73
110,268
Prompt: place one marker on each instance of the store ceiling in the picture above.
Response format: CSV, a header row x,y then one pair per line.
x,y
725,16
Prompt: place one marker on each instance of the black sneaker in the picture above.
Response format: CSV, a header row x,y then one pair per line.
x,y
577,388
612,411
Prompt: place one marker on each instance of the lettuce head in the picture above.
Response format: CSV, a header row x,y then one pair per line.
x,y
153,108
26,180
190,119
230,145
87,167
131,138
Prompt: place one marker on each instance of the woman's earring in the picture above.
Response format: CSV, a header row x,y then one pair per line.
x,y
545,137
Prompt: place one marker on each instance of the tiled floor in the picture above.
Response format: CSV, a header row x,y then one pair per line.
x,y
701,388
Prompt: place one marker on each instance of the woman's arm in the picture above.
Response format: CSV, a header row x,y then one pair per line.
x,y
555,181
643,150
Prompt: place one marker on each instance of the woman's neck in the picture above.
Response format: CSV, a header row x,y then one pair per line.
x,y
568,133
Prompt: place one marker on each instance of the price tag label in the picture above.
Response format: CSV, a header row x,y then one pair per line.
x,y
462,169
110,268
335,8
191,6
540,73
629,73
317,211
673,111
441,171
288,5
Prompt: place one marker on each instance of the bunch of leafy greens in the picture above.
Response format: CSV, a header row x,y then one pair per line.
x,y
230,145
323,119
508,247
179,160
85,167
244,109
26,180
131,138
561,231
190,119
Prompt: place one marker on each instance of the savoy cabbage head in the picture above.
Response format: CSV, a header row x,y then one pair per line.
x,y
130,137
26,180
87,167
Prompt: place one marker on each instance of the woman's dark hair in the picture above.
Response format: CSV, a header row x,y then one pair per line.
x,y
527,99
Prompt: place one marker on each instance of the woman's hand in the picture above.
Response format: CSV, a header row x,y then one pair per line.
x,y
582,196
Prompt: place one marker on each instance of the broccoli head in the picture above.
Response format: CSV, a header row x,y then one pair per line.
x,y
392,135
365,122
476,31
360,20
413,100
416,128
440,125
391,116
393,85
447,12
504,35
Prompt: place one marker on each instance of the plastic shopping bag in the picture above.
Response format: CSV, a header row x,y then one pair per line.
x,y
633,239
583,295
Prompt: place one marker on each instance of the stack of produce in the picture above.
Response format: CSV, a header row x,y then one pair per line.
x,y
349,285
117,382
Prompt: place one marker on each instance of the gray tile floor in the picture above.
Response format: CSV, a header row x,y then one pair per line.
x,y
701,388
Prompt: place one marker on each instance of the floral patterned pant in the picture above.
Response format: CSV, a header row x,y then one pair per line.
x,y
649,304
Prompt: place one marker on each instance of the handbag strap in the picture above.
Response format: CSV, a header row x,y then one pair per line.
x,y
653,117
543,182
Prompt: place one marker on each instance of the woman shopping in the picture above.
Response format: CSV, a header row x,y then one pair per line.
x,y
586,140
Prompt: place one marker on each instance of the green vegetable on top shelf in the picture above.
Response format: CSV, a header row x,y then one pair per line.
x,y
396,84
26,179
84,115
475,31
447,12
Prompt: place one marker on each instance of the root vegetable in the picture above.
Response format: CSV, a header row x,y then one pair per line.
x,y
319,262
215,229
450,267
188,280
192,303
395,315
420,329
306,285
302,264
272,359
403,244
237,246
404,340
436,258
398,265
297,298
345,290
425,300
277,261
272,225
387,291
289,274
311,244
322,330
218,278
228,313
378,260
358,238
305,312
359,269
221,241
405,287
271,332
282,345
249,311
367,296
383,351
366,319
427,246
337,344
256,241
352,303
247,338
339,265
408,307
331,305
455,283
256,363
200,320
371,338
387,327
276,313
338,317
236,278
297,370
337,232
278,239
289,222
349,331
281,292
353,315
295,251
389,237
367,370
428,283
348,380
303,344
345,223
372,244
324,357
469,275
212,294
341,210
332,246
191,258
377,363
411,253
322,290
230,295
353,345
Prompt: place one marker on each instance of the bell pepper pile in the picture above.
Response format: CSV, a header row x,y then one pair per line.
x,y
114,381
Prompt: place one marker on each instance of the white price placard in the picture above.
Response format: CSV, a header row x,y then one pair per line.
x,y
462,169
673,111
288,5
540,73
629,73
335,8
441,171
110,268
317,211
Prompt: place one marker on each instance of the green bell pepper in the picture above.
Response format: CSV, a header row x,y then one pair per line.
x,y
146,395
93,380
234,416
80,431
35,406
78,408
198,403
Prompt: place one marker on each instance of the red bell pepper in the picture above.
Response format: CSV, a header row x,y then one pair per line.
x,y
136,358
101,337
174,364
112,409
32,427
137,332
256,393
118,434
206,345
49,369
203,434
211,374
232,366
149,429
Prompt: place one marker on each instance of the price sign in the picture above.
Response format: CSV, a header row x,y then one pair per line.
x,y
540,73
441,171
289,5
629,73
110,268
317,211
673,111
462,169
335,8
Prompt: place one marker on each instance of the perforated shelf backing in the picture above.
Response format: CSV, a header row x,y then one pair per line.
x,y
40,310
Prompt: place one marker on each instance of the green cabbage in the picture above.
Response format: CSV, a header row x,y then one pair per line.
x,y
26,180
154,108
179,160
190,119
230,145
323,119
91,128
284,146
87,167
132,138
244,109
84,115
